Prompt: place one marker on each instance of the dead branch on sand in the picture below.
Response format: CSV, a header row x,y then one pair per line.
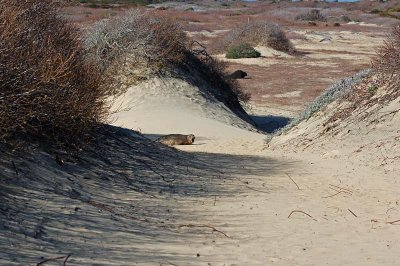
x,y
55,258
330,196
203,226
293,181
338,190
393,222
352,213
303,213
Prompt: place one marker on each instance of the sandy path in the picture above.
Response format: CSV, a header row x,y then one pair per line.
x,y
350,203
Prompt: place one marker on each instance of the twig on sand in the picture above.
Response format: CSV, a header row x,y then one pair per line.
x,y
254,189
338,190
393,222
293,181
203,226
303,213
266,192
65,261
330,196
342,189
353,213
15,167
55,258
168,263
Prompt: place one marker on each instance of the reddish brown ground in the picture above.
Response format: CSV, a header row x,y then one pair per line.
x,y
305,75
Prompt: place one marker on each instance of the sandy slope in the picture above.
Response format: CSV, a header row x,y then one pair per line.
x,y
226,201
346,181
170,105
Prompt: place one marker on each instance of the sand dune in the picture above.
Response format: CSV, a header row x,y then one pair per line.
x,y
311,197
171,105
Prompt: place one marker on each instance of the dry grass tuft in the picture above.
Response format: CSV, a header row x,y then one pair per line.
x,y
48,91
312,15
387,61
259,33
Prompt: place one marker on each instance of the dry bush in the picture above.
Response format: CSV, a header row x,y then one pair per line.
x,y
140,44
48,91
387,61
312,15
259,33
139,41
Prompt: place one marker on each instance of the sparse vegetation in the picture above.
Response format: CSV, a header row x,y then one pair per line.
x,y
345,19
109,3
243,50
373,89
391,12
259,33
312,15
332,93
140,44
48,90
137,44
387,61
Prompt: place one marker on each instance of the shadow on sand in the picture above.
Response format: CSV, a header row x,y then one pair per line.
x,y
270,123
121,202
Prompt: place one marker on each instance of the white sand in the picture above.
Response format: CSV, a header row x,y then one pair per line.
x,y
350,194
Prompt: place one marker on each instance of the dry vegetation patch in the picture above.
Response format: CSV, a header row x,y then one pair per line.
x,y
387,61
258,33
312,15
48,90
141,44
386,66
137,41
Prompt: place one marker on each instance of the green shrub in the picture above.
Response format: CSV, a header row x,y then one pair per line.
x,y
373,89
243,50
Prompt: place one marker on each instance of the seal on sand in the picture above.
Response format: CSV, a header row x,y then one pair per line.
x,y
176,139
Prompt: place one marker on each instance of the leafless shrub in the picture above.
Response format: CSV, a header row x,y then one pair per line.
x,y
48,91
137,43
387,61
140,44
259,33
312,15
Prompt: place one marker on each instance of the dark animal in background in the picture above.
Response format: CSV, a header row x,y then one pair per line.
x,y
176,139
238,74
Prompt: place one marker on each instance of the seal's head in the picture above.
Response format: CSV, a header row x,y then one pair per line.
x,y
190,138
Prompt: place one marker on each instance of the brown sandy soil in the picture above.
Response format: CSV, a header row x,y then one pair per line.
x,y
276,82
